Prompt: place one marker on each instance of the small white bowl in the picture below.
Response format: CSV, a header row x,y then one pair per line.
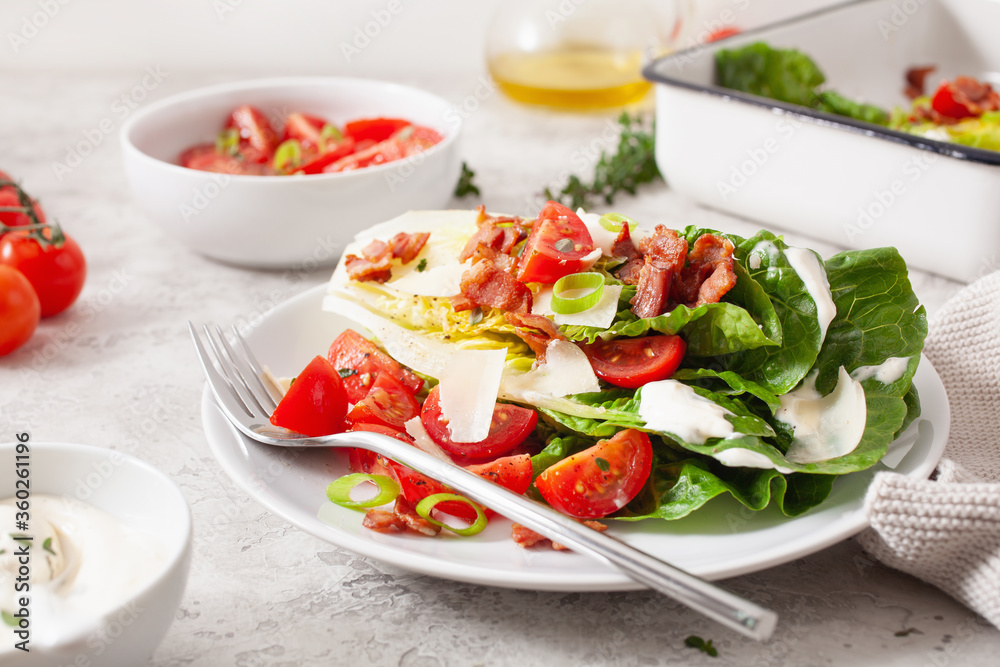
x,y
141,497
284,221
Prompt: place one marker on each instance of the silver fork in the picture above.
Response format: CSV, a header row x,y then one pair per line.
x,y
234,376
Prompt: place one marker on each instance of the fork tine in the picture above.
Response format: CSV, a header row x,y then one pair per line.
x,y
233,373
256,370
217,379
241,370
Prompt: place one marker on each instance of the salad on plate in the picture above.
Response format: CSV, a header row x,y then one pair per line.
x,y
609,369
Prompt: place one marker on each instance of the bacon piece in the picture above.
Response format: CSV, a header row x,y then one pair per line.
x,y
628,272
915,81
665,254
500,233
405,512
405,247
374,264
489,283
977,96
535,330
709,273
382,521
525,537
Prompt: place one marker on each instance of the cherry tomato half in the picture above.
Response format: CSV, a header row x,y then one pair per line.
x,y
204,157
510,426
316,402
599,480
353,351
406,142
56,272
556,246
633,362
19,310
257,138
305,128
388,402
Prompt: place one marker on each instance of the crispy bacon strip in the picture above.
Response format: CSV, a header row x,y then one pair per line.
x,y
500,233
977,96
405,247
628,272
382,521
489,283
403,517
535,330
525,537
916,78
709,273
374,264
665,254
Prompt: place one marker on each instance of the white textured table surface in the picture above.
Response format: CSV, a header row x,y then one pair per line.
x,y
118,371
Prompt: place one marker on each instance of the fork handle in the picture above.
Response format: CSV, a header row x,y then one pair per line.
x,y
728,609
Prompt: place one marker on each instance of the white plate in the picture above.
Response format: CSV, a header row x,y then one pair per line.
x,y
722,539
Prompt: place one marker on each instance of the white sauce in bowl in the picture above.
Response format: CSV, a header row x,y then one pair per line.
x,y
83,562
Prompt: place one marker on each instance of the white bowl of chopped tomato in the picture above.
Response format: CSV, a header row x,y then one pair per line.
x,y
279,173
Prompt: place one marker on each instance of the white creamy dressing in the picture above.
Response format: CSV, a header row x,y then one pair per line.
x,y
602,314
98,564
739,457
811,271
469,386
824,427
762,250
889,371
673,407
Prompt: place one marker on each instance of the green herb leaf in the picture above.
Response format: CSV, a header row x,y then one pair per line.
x,y
694,641
47,545
422,265
602,464
346,372
465,186
631,165
564,245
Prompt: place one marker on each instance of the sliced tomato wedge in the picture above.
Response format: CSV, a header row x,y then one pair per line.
x,y
316,403
946,104
556,246
511,472
510,426
633,362
305,128
408,141
367,461
204,157
320,162
352,351
388,403
375,129
599,480
257,138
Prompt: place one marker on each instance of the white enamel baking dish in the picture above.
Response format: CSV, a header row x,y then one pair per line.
x,y
851,183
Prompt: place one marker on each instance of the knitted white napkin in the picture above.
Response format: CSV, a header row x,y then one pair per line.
x,y
946,531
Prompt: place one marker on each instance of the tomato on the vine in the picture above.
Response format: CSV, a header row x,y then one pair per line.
x,y
599,480
556,246
57,270
633,362
19,310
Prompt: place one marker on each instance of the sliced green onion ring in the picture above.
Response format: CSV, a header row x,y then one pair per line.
x,y
330,133
339,490
613,222
562,305
425,506
288,155
228,141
